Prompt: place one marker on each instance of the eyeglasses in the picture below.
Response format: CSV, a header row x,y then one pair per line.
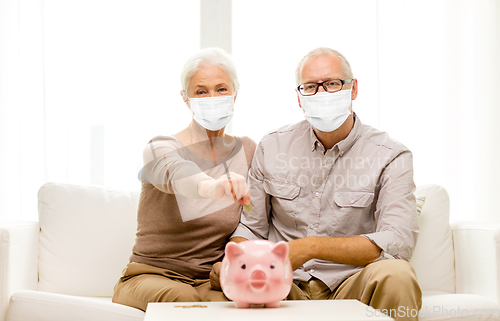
x,y
331,86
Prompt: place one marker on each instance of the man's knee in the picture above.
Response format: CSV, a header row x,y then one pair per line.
x,y
394,275
394,269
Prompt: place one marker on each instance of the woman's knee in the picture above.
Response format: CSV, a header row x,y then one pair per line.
x,y
154,288
176,292
179,295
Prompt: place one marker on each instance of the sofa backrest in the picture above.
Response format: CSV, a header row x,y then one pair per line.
x,y
86,238
433,258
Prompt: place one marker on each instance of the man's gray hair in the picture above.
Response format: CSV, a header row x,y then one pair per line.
x,y
318,52
209,56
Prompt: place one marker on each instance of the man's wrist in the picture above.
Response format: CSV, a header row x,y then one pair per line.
x,y
310,244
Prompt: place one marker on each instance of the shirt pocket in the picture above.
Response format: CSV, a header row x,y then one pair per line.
x,y
353,213
353,199
284,199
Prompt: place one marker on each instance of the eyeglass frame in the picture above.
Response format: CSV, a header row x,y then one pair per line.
x,y
343,81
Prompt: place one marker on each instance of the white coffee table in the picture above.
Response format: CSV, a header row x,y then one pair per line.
x,y
311,310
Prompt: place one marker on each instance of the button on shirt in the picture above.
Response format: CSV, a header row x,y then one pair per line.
x,y
361,186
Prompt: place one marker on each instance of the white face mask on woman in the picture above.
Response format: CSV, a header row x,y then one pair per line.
x,y
327,111
213,113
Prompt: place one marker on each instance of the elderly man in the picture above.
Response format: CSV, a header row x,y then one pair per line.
x,y
340,193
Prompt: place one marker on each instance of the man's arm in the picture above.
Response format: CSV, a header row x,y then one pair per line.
x,y
396,211
336,249
354,250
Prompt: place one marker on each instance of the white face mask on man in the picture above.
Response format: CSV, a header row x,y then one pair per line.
x,y
213,113
327,111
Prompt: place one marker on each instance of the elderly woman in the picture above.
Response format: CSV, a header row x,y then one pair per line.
x,y
193,190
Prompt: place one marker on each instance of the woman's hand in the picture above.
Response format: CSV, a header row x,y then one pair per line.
x,y
214,276
221,188
215,273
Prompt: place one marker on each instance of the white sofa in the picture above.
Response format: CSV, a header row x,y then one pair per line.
x,y
64,267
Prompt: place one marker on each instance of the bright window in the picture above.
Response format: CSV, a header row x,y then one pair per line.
x,y
112,83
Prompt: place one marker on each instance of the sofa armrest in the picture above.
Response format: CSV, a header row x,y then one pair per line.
x,y
18,260
477,258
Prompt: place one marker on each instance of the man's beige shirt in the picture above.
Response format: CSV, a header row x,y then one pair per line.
x,y
361,186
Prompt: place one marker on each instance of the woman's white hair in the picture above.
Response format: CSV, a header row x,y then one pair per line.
x,y
209,56
318,52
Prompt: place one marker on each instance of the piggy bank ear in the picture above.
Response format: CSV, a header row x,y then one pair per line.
x,y
233,250
281,250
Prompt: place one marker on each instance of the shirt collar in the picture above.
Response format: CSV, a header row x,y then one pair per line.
x,y
344,145
314,139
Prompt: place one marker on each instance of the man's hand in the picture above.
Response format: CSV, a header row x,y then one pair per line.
x,y
221,188
214,276
298,252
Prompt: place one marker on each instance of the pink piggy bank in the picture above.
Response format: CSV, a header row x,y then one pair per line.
x,y
256,272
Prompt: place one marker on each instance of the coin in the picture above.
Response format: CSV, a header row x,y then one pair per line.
x,y
247,208
190,306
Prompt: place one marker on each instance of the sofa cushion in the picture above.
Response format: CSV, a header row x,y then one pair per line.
x,y
447,307
43,306
433,258
86,238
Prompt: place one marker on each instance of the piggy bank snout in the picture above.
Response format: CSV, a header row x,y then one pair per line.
x,y
258,275
258,279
